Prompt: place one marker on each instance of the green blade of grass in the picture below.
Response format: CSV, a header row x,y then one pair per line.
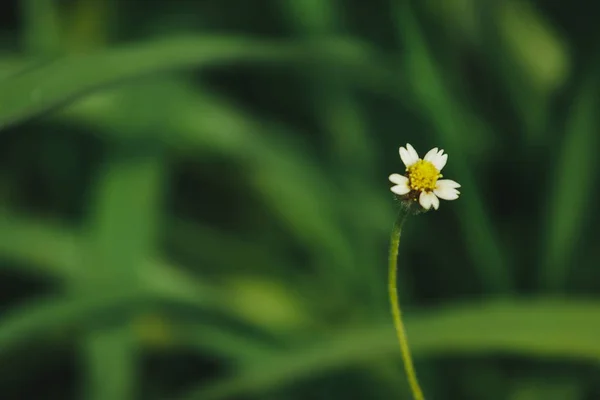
x,y
41,21
534,328
281,174
50,318
42,89
112,355
335,104
42,248
449,118
230,344
542,388
352,148
122,234
57,252
47,248
568,198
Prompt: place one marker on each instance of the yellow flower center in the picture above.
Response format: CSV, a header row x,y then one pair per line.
x,y
423,176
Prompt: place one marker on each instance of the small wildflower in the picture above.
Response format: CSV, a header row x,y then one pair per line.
x,y
422,179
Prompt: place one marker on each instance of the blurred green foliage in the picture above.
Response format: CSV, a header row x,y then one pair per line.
x,y
194,200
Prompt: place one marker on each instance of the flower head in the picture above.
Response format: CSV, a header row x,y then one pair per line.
x,y
422,178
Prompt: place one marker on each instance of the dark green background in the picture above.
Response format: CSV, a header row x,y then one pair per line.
x,y
194,200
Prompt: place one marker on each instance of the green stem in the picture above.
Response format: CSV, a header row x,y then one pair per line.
x,y
396,313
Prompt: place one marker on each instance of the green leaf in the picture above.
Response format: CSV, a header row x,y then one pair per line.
x,y
534,328
350,143
112,355
233,345
569,196
50,249
50,316
547,387
41,247
289,182
41,19
124,222
60,318
450,119
39,90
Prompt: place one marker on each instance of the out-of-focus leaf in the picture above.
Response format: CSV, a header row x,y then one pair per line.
x,y
535,328
40,247
53,318
569,196
123,226
36,91
214,247
50,249
337,109
343,121
267,303
112,353
49,317
543,388
230,344
447,115
534,45
41,20
11,65
312,17
529,56
124,215
282,173
523,50
460,16
87,25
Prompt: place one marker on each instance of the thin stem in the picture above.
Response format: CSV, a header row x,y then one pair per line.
x,y
396,313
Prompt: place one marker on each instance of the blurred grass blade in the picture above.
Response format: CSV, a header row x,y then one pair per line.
x,y
337,109
535,328
52,317
87,25
112,356
343,121
123,229
280,171
56,318
542,388
312,17
124,215
230,344
449,118
48,320
530,57
52,251
570,185
40,90
41,20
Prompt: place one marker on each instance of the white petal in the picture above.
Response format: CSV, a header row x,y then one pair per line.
x,y
431,155
447,183
398,179
446,193
427,199
440,160
435,202
400,190
412,153
406,157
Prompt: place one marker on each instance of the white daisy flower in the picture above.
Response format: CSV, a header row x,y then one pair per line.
x,y
422,178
